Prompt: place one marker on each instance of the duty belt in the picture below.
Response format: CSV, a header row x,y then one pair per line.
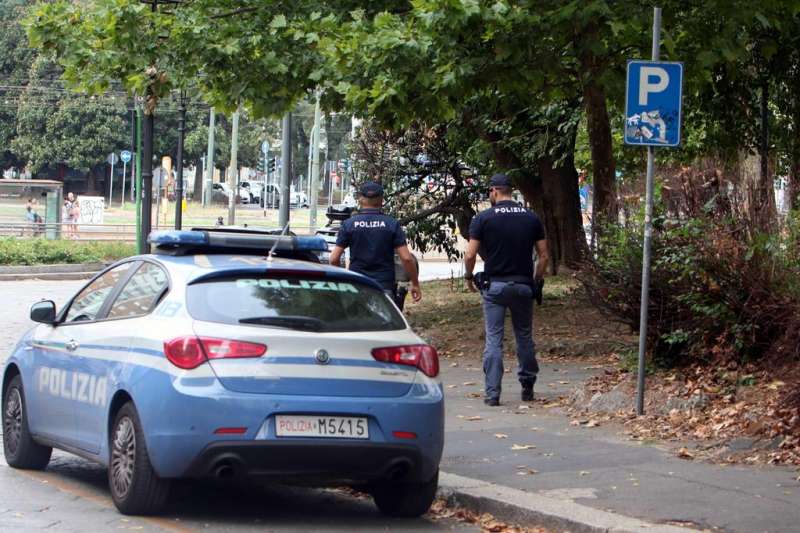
x,y
512,279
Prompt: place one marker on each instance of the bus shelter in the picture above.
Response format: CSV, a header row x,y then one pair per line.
x,y
45,196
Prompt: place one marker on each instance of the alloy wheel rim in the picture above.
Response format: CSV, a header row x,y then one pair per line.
x,y
123,457
12,420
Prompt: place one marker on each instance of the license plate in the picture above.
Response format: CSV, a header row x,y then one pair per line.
x,y
337,427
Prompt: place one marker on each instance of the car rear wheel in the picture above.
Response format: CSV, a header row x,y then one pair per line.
x,y
135,487
20,449
405,500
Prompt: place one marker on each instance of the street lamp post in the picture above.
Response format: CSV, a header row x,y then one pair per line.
x,y
179,165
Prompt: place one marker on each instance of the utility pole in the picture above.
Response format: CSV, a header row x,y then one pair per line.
x,y
314,174
179,155
209,177
234,169
147,178
138,184
286,165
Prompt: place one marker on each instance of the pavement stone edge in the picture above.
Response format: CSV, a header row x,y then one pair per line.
x,y
520,507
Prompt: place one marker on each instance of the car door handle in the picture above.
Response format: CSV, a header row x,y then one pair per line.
x,y
72,345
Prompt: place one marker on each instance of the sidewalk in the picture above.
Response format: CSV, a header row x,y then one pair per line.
x,y
596,468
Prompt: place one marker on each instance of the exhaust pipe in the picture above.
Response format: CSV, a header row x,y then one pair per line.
x,y
399,470
224,470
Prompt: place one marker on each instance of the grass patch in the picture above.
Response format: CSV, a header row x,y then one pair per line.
x,y
15,251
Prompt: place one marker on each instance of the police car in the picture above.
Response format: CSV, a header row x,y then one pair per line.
x,y
229,354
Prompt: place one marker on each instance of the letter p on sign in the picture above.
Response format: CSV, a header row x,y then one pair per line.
x,y
647,75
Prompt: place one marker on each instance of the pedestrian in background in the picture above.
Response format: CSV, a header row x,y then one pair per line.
x,y
373,238
506,236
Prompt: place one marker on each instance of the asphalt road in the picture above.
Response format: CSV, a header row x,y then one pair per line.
x,y
72,494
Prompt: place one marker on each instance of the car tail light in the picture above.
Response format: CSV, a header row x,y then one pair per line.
x,y
190,352
421,356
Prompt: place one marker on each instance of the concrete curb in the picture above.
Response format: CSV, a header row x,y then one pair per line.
x,y
50,272
525,508
52,276
47,269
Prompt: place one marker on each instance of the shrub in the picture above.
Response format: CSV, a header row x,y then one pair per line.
x,y
15,251
719,290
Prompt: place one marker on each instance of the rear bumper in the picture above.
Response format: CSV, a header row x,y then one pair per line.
x,y
301,461
180,426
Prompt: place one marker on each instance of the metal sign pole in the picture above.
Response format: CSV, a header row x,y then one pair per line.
x,y
111,159
648,237
124,171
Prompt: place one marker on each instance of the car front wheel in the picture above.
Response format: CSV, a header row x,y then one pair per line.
x,y
20,449
135,487
405,500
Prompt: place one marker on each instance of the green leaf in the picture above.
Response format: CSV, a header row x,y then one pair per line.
x,y
278,22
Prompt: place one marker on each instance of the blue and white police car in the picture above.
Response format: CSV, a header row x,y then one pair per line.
x,y
229,354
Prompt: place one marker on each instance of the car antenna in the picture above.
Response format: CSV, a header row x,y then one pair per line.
x,y
271,253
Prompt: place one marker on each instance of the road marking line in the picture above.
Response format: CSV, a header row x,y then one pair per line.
x,y
74,489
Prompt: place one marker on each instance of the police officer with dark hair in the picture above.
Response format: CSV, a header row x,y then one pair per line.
x,y
373,239
505,236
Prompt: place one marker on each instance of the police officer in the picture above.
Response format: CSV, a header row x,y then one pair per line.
x,y
373,239
505,236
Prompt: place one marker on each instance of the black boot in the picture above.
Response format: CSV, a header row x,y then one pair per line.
x,y
527,391
492,402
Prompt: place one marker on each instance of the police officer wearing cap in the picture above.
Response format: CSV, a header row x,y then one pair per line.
x,y
505,236
373,238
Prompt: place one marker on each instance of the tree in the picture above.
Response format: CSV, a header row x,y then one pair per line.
x,y
78,132
428,187
15,62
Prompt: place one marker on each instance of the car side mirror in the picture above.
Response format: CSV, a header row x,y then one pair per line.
x,y
44,312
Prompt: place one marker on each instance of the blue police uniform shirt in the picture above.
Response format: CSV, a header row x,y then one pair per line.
x,y
508,234
372,238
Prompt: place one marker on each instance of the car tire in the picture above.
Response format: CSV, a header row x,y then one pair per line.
x,y
405,500
135,487
20,449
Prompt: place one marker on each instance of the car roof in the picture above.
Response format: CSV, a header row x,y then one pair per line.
x,y
188,269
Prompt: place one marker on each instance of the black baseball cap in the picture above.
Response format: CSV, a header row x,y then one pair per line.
x,y
500,180
371,189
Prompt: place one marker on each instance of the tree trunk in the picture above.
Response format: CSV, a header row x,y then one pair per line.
x,y
765,196
793,186
598,126
197,194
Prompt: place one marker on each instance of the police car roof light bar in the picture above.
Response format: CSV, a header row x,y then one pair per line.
x,y
209,241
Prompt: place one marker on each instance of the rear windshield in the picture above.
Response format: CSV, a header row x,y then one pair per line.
x,y
293,303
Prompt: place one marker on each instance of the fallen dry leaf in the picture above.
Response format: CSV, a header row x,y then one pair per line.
x,y
775,385
452,386
474,418
500,436
592,424
584,472
684,453
469,383
519,447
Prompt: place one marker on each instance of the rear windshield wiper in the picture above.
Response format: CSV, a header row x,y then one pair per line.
x,y
305,323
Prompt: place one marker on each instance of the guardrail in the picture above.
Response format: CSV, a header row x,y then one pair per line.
x,y
127,233
94,232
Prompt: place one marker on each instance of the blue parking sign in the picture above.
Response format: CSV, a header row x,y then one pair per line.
x,y
653,103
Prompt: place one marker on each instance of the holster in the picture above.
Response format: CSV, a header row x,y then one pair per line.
x,y
482,281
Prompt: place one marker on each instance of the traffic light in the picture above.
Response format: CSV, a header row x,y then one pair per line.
x,y
273,164
260,165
